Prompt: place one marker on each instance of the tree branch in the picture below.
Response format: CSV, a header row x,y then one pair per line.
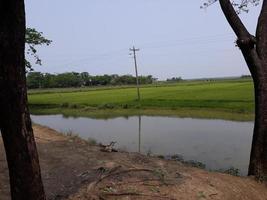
x,y
235,22
245,41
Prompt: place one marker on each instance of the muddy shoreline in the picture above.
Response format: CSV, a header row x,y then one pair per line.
x,y
76,169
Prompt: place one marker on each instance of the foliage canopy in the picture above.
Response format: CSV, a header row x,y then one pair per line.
x,y
34,38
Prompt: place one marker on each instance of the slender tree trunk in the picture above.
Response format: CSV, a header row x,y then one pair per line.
x,y
15,122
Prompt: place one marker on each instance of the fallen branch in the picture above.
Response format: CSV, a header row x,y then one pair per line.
x,y
213,194
93,184
146,182
139,181
136,194
123,172
108,148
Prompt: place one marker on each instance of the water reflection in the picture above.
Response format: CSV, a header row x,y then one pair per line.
x,y
217,143
139,134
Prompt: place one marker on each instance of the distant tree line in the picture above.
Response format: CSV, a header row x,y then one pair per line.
x,y
174,79
246,76
75,79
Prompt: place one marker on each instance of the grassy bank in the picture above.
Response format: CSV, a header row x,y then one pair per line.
x,y
229,99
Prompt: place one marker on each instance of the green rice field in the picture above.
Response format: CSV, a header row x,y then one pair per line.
x,y
226,99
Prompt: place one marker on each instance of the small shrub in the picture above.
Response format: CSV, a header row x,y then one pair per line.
x,y
160,174
201,195
106,106
149,152
137,106
89,108
179,158
91,141
125,106
196,164
232,171
69,133
72,135
241,110
175,157
64,105
161,156
73,106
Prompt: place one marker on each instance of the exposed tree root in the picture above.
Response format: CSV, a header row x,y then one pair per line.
x,y
137,194
123,172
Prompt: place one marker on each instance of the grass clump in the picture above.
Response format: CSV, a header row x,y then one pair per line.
x,y
91,141
74,106
232,171
196,164
64,105
70,133
76,137
107,106
191,163
68,105
125,106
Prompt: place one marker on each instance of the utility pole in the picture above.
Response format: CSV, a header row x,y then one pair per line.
x,y
136,72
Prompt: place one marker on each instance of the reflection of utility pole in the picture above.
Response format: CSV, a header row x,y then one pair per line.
x,y
139,134
136,72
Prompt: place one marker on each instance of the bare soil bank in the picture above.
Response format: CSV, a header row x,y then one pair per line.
x,y
74,169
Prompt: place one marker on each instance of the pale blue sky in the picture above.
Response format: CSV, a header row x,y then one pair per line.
x,y
175,37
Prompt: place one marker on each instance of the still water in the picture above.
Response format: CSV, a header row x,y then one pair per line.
x,y
219,144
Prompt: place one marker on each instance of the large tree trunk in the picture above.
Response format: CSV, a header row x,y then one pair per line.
x,y
15,122
258,157
254,50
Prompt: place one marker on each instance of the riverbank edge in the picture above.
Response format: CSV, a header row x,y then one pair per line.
x,y
97,113
187,172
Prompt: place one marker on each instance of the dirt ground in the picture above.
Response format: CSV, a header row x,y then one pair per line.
x,y
74,169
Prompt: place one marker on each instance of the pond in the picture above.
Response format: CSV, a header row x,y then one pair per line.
x,y
218,144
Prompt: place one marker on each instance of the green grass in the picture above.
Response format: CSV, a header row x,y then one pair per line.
x,y
227,99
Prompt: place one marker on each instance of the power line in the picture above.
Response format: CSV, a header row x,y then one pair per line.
x,y
189,41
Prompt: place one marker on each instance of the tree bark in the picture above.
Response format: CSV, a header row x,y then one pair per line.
x,y
254,50
258,157
15,122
